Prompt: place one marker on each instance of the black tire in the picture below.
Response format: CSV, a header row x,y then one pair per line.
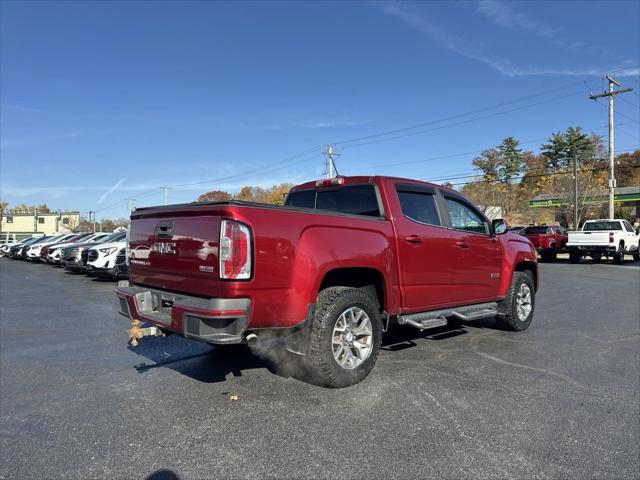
x,y
574,256
549,255
636,256
510,318
596,257
322,367
618,258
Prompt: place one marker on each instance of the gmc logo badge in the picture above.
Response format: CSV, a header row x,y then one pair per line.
x,y
164,247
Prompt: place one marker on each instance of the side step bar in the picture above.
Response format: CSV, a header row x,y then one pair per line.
x,y
438,318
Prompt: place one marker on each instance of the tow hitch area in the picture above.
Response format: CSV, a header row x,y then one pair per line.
x,y
136,332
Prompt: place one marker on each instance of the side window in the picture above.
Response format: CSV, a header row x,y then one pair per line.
x,y
464,218
420,207
629,227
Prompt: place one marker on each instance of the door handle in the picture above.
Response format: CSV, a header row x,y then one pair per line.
x,y
462,244
413,239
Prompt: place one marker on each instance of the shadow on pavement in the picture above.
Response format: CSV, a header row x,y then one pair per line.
x,y
212,364
163,474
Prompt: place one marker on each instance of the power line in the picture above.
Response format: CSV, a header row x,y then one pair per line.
x,y
476,173
462,122
521,177
453,155
247,174
453,117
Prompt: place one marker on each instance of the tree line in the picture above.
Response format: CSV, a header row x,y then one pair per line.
x,y
510,177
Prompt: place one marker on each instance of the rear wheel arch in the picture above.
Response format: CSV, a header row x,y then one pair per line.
x,y
357,277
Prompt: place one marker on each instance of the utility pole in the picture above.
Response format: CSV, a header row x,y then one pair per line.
x,y
575,189
93,214
330,153
166,193
610,94
132,204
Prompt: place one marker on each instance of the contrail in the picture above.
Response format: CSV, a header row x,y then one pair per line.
x,y
111,190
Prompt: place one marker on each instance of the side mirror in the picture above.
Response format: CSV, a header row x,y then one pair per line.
x,y
499,226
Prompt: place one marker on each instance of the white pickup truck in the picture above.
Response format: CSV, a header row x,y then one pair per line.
x,y
611,238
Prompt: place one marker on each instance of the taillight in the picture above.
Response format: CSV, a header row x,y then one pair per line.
x,y
235,251
610,237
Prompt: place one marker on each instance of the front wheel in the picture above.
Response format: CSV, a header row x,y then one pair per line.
x,y
520,303
346,334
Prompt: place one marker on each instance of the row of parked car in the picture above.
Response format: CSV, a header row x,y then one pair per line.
x,y
100,254
597,238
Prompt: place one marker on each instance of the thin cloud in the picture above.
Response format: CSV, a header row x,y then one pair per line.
x,y
112,189
332,124
505,15
468,49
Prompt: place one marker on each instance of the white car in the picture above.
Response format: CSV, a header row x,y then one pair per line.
x,y
33,252
7,239
101,259
611,238
55,254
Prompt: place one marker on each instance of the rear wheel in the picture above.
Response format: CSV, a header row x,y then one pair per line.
x,y
618,257
519,304
574,255
636,255
346,334
549,255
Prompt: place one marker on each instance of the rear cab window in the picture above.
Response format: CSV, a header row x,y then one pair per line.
x,y
542,230
418,204
601,225
350,199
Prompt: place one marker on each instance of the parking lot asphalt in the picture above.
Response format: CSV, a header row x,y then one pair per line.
x,y
560,400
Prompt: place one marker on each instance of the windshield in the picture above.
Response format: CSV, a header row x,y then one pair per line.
x,y
601,225
41,239
535,230
114,237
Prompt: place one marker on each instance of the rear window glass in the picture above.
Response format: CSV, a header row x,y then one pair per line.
x,y
420,207
595,226
303,198
535,230
354,199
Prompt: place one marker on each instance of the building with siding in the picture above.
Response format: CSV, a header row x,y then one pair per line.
x,y
26,224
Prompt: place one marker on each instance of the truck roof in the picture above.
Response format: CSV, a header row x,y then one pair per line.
x,y
351,180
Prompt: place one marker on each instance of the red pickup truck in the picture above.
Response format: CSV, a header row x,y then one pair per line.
x,y
547,240
341,262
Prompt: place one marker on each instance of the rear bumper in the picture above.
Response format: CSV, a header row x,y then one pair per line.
x,y
595,248
211,320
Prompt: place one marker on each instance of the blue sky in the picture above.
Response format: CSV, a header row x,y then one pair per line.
x,y
101,101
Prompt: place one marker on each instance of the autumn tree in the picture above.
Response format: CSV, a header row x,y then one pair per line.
x,y
42,208
279,192
214,196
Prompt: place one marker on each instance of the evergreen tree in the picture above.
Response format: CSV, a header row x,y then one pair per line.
x,y
555,150
510,164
